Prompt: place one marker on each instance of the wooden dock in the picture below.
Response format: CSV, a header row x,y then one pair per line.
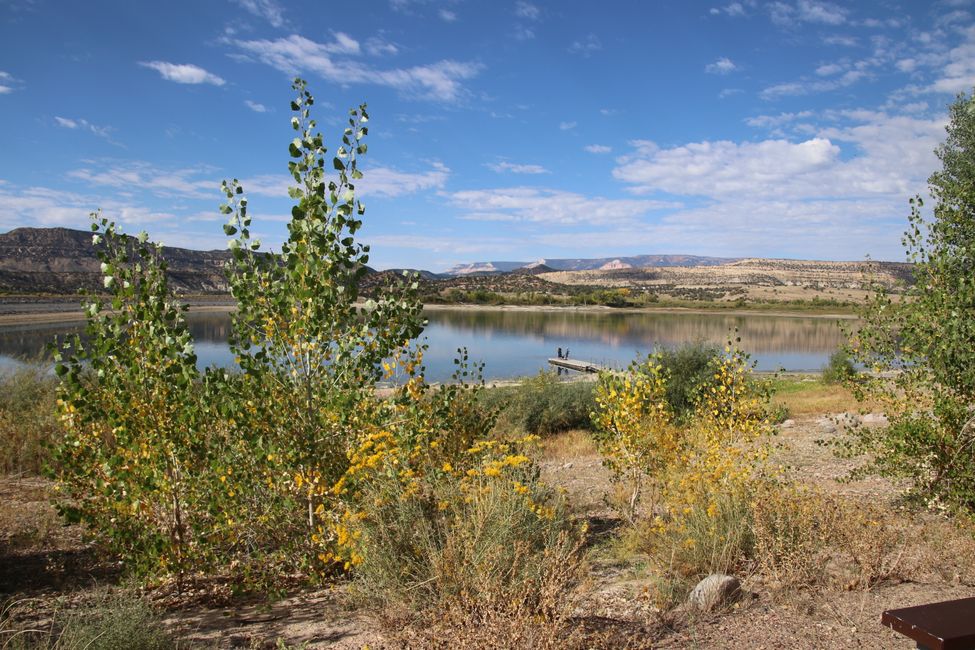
x,y
578,366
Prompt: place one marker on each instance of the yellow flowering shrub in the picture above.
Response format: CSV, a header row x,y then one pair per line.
x,y
700,475
438,516
633,429
725,447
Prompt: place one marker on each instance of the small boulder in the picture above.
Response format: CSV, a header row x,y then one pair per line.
x,y
875,419
788,424
715,591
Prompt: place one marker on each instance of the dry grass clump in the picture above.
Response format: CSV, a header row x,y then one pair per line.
x,y
716,539
806,538
27,419
104,622
459,555
571,444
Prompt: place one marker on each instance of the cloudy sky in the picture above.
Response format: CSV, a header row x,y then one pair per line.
x,y
501,129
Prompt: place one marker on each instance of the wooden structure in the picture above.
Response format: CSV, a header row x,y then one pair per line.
x,y
578,366
948,625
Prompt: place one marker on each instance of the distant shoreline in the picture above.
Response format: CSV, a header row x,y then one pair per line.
x,y
51,311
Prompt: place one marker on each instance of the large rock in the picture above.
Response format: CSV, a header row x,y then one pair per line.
x,y
715,591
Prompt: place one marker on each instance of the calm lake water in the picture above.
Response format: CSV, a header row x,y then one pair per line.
x,y
518,343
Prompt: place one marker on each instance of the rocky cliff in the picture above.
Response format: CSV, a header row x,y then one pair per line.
x,y
62,261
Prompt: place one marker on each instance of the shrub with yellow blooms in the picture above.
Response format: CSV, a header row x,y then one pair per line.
x,y
634,432
441,518
700,475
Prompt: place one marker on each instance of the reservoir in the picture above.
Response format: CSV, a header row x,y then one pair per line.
x,y
516,342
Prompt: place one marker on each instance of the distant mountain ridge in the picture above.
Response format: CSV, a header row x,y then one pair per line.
x,y
591,264
62,261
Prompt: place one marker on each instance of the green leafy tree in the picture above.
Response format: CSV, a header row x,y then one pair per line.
x,y
127,398
924,344
181,471
309,354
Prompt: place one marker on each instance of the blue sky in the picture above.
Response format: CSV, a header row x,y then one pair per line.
x,y
501,130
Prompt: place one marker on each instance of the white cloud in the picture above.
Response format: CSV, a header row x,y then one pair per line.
x,y
724,65
841,39
821,12
783,89
774,121
806,11
44,207
829,69
914,107
84,125
141,176
725,168
389,182
447,15
455,245
959,73
838,194
733,9
377,181
597,148
806,87
527,10
892,155
256,107
267,9
907,65
540,205
7,83
516,168
185,73
809,230
379,47
586,46
295,54
567,126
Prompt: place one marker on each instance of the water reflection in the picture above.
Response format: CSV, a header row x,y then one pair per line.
x,y
517,343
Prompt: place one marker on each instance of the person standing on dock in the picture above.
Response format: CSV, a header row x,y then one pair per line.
x,y
566,354
560,353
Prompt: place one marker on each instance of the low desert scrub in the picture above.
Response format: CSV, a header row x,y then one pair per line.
x,y
474,543
806,538
105,622
542,405
27,418
839,369
716,539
